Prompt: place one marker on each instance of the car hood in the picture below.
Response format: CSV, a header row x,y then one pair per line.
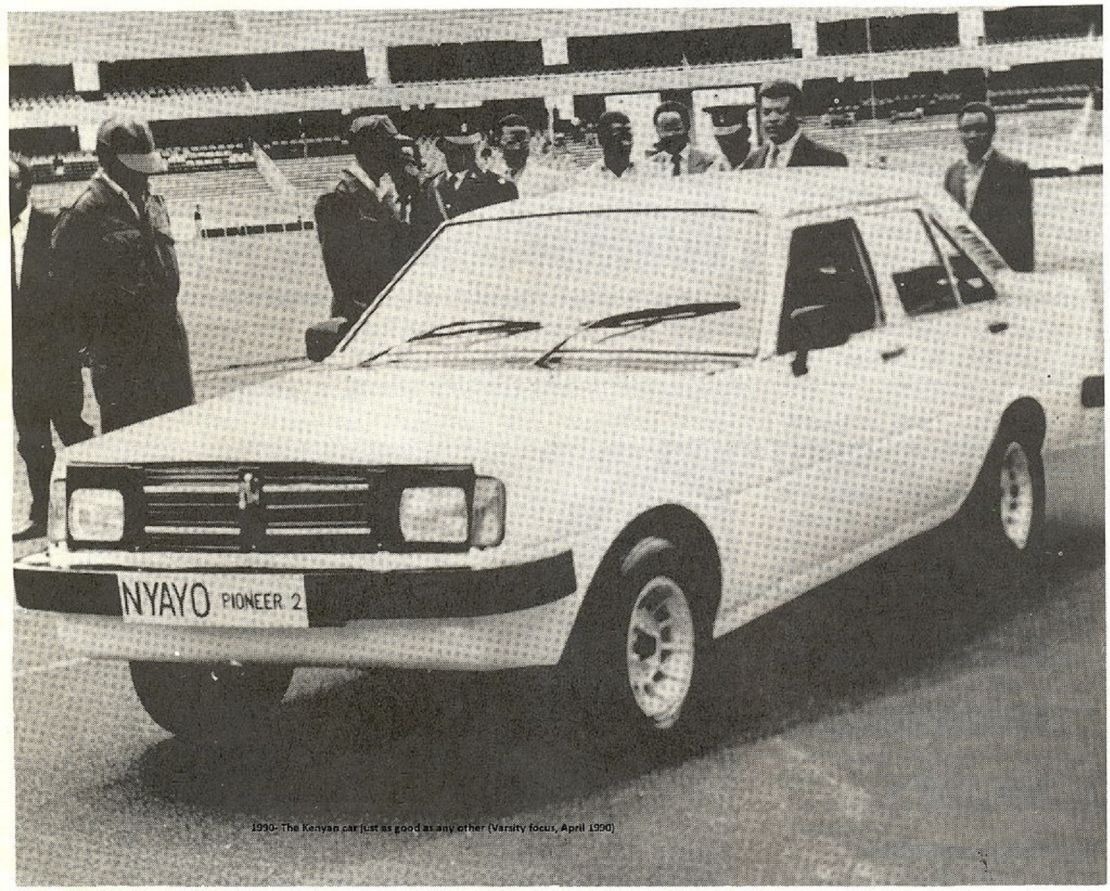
x,y
405,415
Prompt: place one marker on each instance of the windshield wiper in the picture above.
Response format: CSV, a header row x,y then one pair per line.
x,y
655,315
642,318
508,327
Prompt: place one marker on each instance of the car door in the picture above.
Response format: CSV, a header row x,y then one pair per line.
x,y
945,368
832,488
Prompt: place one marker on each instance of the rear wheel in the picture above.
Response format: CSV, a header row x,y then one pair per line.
x,y
211,703
998,533
637,656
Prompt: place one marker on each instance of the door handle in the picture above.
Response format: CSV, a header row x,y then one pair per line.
x,y
997,327
893,354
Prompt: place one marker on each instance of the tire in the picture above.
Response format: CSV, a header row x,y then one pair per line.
x,y
213,703
998,535
637,656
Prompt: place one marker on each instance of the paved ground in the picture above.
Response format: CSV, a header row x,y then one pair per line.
x,y
884,729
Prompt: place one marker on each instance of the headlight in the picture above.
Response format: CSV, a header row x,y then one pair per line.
x,y
96,515
438,514
434,514
487,527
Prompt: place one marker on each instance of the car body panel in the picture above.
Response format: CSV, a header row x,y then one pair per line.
x,y
797,477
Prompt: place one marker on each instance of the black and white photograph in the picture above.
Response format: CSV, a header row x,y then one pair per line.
x,y
557,446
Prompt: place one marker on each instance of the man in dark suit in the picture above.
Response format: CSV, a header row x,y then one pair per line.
x,y
362,221
994,189
46,369
787,145
464,186
673,154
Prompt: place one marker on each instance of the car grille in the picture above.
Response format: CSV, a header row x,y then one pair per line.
x,y
231,508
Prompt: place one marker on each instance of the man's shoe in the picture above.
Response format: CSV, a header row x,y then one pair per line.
x,y
34,529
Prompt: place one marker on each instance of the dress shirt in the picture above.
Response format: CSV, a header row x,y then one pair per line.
x,y
598,170
19,241
785,151
973,175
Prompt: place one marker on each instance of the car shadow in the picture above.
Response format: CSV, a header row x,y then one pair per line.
x,y
401,747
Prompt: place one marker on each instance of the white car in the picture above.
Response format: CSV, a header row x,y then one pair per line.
x,y
596,430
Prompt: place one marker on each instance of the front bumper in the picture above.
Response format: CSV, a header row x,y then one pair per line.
x,y
457,618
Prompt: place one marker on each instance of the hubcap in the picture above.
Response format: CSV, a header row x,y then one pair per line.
x,y
1016,502
660,650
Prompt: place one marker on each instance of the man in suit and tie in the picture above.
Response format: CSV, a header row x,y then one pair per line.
x,y
994,189
787,144
674,155
46,368
464,186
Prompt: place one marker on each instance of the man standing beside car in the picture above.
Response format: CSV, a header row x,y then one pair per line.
x,y
46,368
464,186
787,144
995,190
673,154
362,222
614,133
116,264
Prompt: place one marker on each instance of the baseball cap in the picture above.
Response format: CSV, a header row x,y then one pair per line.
x,y
130,140
376,128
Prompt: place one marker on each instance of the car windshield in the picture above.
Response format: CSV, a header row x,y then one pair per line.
x,y
680,282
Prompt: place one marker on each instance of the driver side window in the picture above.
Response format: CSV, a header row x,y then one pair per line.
x,y
826,270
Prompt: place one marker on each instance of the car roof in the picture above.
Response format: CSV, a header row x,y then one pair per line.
x,y
774,193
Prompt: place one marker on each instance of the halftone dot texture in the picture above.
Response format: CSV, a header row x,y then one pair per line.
x,y
97,783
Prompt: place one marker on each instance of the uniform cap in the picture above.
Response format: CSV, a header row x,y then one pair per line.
x,y
130,140
727,121
461,133
376,128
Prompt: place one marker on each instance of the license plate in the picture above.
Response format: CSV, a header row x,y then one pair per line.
x,y
224,600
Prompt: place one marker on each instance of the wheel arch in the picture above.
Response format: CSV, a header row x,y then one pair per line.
x,y
681,527
1025,415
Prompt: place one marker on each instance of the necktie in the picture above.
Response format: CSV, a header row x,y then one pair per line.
x,y
676,165
773,156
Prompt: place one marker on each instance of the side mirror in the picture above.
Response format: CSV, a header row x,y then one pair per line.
x,y
321,339
816,328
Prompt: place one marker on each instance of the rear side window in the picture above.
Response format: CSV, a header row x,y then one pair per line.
x,y
973,286
905,257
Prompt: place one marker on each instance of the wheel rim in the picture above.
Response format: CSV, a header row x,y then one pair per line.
x,y
1017,496
660,650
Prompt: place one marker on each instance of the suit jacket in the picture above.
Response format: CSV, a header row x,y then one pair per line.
x,y
807,153
42,334
118,274
1003,206
697,161
364,241
442,199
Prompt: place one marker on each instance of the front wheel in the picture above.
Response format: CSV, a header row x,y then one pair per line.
x,y
639,647
210,703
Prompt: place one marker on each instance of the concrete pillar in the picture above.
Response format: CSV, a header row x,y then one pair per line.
x,y
86,135
972,29
377,63
803,32
86,77
554,51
